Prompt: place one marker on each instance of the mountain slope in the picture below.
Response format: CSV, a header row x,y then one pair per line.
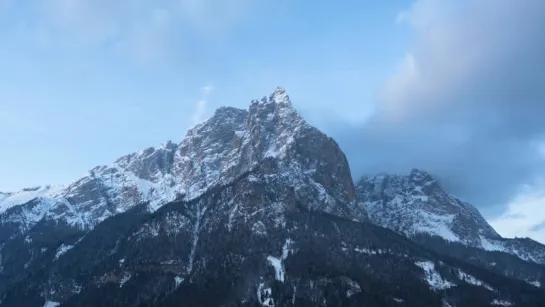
x,y
416,204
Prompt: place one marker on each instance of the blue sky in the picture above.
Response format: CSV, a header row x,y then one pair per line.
x,y
86,81
454,87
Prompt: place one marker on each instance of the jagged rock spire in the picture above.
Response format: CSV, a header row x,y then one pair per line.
x,y
280,96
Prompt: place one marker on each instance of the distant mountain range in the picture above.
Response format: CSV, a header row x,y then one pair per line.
x,y
256,208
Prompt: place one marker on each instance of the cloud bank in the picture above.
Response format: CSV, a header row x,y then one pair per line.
x,y
466,102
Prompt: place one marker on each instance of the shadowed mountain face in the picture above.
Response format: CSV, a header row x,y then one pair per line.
x,y
254,208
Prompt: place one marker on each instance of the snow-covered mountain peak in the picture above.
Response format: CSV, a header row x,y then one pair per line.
x,y
424,182
280,96
213,153
418,183
235,141
278,100
416,203
420,177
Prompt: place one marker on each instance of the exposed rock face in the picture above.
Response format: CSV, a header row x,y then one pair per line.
x,y
416,204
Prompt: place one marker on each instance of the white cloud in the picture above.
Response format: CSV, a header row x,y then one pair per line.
x,y
465,104
200,110
407,76
207,89
457,43
525,215
445,54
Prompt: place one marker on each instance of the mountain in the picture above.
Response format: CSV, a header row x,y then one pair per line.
x,y
416,205
252,208
213,153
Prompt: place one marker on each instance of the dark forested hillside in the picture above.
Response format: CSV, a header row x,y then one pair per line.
x,y
262,255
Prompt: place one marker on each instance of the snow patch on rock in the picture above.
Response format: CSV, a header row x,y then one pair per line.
x,y
432,277
497,302
264,295
278,264
178,281
472,280
126,277
51,304
62,249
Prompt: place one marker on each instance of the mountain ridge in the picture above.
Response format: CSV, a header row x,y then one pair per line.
x,y
214,152
417,203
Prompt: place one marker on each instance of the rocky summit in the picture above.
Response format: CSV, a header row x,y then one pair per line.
x,y
255,208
